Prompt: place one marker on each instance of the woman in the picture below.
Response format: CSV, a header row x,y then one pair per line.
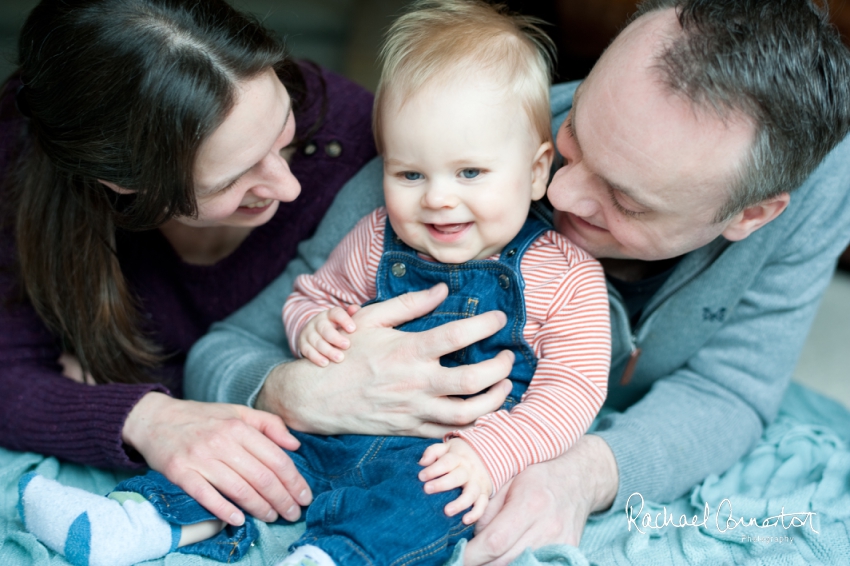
x,y
149,154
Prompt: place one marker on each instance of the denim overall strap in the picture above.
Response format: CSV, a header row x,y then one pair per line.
x,y
475,287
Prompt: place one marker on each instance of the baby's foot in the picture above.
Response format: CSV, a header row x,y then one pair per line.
x,y
93,530
308,555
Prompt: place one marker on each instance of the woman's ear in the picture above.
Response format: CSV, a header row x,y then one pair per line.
x,y
754,217
540,170
116,188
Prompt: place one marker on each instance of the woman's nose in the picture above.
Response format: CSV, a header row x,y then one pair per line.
x,y
278,182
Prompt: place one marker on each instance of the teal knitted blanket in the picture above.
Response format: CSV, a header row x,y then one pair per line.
x,y
786,503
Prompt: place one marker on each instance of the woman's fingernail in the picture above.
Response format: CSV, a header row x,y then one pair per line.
x,y
271,516
305,497
237,519
292,513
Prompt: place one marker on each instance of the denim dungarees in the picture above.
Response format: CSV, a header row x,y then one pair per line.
x,y
369,507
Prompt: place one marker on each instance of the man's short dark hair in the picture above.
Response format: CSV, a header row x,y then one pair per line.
x,y
778,62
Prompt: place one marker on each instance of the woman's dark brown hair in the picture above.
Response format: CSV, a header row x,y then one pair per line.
x,y
124,91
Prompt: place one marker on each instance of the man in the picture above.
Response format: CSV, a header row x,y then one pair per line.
x,y
681,153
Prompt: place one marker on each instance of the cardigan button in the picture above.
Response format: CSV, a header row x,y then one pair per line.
x,y
504,281
310,148
333,149
399,269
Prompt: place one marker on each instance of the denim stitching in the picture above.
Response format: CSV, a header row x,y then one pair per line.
x,y
373,450
411,557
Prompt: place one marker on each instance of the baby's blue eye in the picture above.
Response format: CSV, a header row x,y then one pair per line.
x,y
470,173
412,176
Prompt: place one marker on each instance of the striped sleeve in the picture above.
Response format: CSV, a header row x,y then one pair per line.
x,y
347,278
569,330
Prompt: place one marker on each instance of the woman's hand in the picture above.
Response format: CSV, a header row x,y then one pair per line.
x,y
215,449
391,382
547,503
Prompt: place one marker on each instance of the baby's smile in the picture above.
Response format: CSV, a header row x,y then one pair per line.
x,y
448,232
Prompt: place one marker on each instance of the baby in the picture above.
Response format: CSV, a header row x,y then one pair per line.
x,y
462,122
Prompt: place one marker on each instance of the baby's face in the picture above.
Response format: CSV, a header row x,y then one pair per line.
x,y
462,164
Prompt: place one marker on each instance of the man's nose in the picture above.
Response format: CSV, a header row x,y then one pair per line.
x,y
573,189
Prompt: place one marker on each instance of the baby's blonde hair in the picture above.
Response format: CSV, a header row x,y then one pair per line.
x,y
447,37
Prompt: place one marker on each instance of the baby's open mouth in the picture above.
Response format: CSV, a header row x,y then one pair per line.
x,y
449,228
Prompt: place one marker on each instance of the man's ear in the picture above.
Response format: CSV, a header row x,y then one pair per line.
x,y
116,188
540,170
754,217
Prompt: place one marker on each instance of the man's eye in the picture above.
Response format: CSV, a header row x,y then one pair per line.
x,y
622,209
470,173
412,176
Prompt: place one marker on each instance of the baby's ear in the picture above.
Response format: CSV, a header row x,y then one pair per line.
x,y
540,169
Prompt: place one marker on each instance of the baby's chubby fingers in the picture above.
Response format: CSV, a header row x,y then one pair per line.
x,y
327,332
477,510
310,353
444,465
433,453
468,498
351,309
325,349
457,477
342,318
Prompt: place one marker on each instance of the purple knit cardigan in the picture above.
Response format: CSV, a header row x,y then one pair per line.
x,y
50,414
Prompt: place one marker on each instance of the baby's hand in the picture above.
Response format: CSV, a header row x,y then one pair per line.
x,y
320,339
455,464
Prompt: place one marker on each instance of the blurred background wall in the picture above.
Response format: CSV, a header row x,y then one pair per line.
x,y
344,35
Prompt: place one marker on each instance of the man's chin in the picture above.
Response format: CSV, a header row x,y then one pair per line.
x,y
586,239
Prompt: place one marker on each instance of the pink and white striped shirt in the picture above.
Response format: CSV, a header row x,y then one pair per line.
x,y
567,326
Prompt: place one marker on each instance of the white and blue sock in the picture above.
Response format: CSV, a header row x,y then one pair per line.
x,y
92,530
307,555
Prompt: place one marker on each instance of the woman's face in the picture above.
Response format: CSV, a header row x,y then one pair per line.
x,y
241,174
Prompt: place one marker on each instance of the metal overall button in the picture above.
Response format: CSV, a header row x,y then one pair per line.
x,y
504,281
511,252
334,149
399,269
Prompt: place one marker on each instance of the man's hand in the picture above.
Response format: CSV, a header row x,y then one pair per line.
x,y
455,464
391,383
213,450
547,503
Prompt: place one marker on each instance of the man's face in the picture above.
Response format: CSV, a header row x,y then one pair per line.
x,y
645,172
